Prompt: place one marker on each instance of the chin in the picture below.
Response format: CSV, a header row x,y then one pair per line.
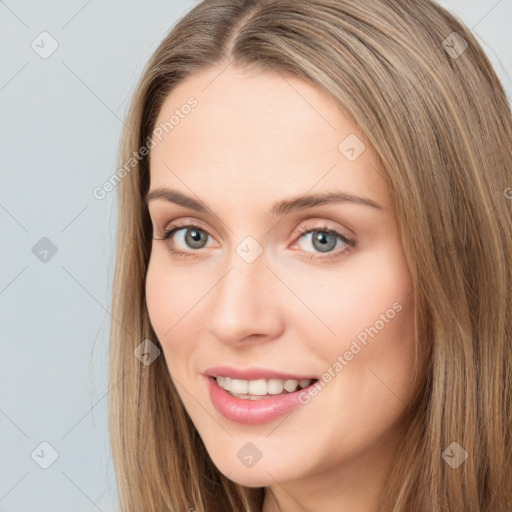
x,y
248,480
250,477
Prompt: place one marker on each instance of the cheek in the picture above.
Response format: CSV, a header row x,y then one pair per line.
x,y
168,291
368,298
174,307
157,296
165,301
377,335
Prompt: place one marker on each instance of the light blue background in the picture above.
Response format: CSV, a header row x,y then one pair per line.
x,y
61,121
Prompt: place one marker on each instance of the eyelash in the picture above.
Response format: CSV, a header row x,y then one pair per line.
x,y
351,244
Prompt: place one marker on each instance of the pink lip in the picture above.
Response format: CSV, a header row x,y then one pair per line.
x,y
251,412
253,374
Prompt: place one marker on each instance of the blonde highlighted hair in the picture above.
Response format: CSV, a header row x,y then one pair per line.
x,y
440,123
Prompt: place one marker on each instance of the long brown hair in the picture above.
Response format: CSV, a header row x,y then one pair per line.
x,y
440,123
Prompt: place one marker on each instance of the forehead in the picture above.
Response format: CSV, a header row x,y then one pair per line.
x,y
252,132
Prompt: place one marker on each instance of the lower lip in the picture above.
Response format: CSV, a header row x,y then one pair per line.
x,y
252,412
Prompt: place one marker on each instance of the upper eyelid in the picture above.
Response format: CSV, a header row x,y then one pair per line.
x,y
305,227
186,222
179,224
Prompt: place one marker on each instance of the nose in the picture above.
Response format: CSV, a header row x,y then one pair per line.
x,y
247,303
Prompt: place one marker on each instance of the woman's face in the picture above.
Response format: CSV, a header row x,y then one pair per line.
x,y
273,282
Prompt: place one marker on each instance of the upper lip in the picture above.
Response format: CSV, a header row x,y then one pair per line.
x,y
253,373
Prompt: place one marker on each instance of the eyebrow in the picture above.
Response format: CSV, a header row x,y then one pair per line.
x,y
279,208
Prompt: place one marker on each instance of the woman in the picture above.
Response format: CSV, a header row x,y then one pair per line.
x,y
313,265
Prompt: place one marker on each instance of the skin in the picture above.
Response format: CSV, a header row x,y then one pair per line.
x,y
253,139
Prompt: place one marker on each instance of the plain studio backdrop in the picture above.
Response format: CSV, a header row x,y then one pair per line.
x,y
68,69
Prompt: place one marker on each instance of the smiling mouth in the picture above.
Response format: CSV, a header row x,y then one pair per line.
x,y
261,388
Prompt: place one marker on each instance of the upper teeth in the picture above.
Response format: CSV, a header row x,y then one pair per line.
x,y
261,386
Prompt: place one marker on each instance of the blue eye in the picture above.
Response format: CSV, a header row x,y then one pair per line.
x,y
324,240
194,236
